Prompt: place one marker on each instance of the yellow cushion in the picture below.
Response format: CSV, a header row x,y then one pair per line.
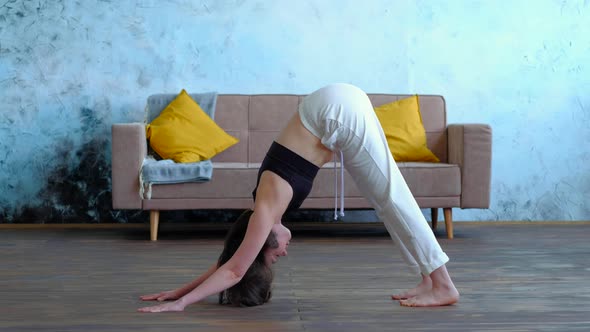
x,y
402,124
184,133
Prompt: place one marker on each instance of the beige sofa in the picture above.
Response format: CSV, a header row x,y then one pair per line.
x,y
462,179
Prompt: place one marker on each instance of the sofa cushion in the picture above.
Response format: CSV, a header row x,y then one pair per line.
x,y
156,103
184,133
424,180
433,113
434,180
404,131
227,183
232,115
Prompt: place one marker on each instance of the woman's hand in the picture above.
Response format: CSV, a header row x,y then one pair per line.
x,y
162,296
170,306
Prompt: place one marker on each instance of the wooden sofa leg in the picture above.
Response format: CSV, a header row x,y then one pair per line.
x,y
154,220
434,217
449,221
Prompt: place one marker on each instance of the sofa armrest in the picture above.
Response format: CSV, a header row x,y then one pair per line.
x,y
470,146
129,149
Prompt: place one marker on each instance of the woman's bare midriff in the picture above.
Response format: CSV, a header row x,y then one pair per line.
x,y
298,139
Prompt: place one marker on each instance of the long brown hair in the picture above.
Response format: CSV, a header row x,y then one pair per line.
x,y
255,286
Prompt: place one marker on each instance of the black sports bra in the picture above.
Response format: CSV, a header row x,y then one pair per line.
x,y
293,168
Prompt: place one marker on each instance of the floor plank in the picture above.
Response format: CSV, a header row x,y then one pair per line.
x,y
512,277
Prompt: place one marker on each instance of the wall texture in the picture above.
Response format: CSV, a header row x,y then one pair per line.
x,y
69,69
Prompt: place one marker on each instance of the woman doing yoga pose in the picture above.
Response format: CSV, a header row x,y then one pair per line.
x,y
336,118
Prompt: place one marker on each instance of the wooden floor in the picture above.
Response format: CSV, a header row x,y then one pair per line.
x,y
512,278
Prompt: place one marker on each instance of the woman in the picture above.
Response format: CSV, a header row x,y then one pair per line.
x,y
336,118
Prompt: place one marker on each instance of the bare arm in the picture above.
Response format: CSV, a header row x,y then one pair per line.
x,y
231,272
273,196
180,292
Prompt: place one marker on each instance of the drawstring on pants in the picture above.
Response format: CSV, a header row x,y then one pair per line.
x,y
336,214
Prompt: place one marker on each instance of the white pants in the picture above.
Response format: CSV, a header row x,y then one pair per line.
x,y
342,117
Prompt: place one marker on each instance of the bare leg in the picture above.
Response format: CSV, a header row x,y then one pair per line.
x,y
443,291
424,286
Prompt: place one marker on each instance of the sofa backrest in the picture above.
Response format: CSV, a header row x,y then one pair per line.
x,y
256,121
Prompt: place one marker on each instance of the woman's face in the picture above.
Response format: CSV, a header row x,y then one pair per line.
x,y
283,235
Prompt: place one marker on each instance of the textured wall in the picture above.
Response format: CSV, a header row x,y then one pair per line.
x,y
68,69
523,67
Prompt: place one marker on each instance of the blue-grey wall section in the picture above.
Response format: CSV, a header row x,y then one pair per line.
x,y
69,69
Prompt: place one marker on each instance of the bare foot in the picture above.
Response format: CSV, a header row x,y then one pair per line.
x,y
443,291
434,297
424,286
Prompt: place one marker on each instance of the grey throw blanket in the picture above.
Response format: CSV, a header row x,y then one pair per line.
x,y
167,172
